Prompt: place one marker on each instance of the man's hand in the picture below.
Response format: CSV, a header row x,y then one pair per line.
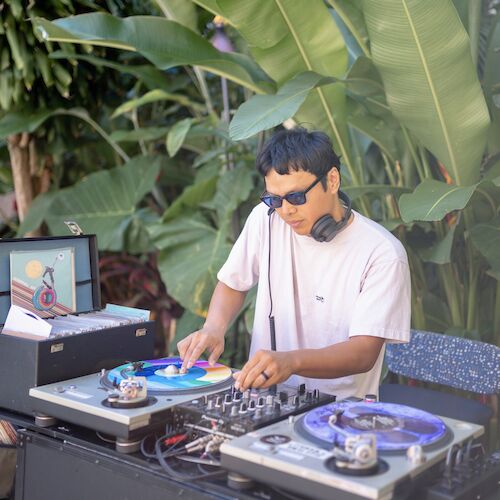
x,y
191,348
264,369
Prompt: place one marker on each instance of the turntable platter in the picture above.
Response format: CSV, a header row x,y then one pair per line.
x,y
396,427
164,378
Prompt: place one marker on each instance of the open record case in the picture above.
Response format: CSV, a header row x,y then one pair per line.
x,y
28,361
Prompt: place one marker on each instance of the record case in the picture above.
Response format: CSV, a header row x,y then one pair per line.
x,y
28,361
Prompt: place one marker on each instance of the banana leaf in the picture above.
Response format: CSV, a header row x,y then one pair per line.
x,y
423,54
105,202
165,43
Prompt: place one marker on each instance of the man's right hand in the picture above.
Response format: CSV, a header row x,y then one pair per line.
x,y
192,347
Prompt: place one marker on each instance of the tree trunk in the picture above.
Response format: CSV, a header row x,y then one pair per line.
x,y
23,163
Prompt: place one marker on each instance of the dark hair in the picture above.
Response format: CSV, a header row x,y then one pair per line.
x,y
297,149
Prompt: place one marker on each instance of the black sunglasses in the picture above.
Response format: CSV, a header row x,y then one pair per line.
x,y
295,198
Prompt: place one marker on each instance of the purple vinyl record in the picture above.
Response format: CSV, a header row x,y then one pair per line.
x,y
396,427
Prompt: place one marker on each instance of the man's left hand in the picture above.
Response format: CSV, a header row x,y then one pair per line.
x,y
265,369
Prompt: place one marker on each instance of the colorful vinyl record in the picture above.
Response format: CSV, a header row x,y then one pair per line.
x,y
164,377
396,427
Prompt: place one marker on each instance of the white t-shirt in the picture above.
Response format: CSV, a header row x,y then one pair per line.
x,y
323,293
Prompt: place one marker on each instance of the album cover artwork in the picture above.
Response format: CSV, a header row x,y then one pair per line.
x,y
43,281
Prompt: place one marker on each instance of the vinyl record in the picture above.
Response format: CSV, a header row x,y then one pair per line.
x,y
396,427
163,377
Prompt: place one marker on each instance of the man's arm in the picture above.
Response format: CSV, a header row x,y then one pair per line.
x,y
356,355
224,305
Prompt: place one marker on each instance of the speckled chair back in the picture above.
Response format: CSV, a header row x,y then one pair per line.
x,y
449,361
453,361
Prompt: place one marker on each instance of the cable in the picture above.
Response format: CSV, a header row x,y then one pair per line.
x,y
272,329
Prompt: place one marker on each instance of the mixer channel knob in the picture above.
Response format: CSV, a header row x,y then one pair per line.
x,y
227,399
283,397
243,409
218,401
277,407
258,413
309,396
260,402
316,394
269,400
237,397
210,404
302,388
246,395
295,401
234,411
251,405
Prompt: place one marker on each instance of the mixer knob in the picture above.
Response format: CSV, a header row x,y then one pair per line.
x,y
210,404
269,400
237,396
227,399
218,401
251,405
234,411
260,402
277,407
283,397
302,388
295,401
246,395
309,395
258,413
316,394
243,409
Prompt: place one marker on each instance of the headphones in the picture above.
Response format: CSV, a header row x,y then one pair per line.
x,y
326,227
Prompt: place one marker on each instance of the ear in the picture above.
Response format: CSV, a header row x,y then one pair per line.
x,y
333,180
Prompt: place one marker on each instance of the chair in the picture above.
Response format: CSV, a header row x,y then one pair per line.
x,y
455,362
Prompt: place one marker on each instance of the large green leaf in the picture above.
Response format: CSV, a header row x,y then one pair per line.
x,y
165,43
288,37
432,200
486,238
423,54
104,203
191,254
263,112
491,83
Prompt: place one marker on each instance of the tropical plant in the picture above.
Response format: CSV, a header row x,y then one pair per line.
x,y
393,83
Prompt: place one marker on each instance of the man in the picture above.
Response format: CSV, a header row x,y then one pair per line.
x,y
334,303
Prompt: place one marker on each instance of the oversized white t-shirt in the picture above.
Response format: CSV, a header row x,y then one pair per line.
x,y
323,293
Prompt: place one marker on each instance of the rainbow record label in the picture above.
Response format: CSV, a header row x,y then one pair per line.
x,y
396,427
162,375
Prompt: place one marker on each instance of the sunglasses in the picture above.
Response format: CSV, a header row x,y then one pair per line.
x,y
295,198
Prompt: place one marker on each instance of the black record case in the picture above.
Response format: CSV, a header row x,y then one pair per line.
x,y
27,361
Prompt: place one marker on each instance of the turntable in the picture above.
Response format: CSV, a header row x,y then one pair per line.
x,y
348,449
129,400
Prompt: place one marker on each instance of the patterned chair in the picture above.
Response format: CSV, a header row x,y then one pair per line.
x,y
450,361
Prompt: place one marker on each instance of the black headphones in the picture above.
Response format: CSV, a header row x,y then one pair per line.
x,y
326,227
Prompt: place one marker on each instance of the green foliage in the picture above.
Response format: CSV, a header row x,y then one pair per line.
x,y
407,113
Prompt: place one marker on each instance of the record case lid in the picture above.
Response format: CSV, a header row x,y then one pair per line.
x,y
87,283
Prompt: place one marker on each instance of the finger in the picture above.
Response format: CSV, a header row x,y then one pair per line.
x,y
215,355
188,351
195,353
250,378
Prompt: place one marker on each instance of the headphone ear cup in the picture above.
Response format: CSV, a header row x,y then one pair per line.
x,y
324,229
